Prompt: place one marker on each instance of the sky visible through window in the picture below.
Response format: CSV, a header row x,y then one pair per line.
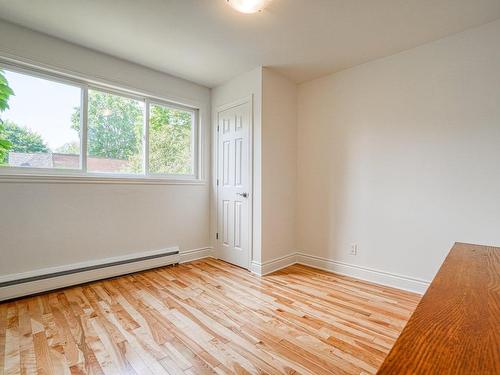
x,y
44,107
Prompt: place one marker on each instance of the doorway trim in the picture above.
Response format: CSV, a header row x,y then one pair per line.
x,y
215,167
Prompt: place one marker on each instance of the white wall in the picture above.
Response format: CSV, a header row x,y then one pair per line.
x,y
244,86
279,165
402,156
50,224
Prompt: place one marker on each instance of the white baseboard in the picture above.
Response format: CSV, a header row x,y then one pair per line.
x,y
364,273
195,254
41,284
359,272
255,267
273,265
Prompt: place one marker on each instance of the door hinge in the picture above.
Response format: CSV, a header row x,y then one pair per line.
x,y
216,236
217,182
217,128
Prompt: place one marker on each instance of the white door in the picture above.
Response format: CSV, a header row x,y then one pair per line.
x,y
234,182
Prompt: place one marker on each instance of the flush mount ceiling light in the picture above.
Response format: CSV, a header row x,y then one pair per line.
x,y
248,6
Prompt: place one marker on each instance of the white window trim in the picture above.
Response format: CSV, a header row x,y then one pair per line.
x,y
53,175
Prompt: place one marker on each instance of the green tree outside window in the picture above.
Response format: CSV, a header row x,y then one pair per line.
x,y
5,93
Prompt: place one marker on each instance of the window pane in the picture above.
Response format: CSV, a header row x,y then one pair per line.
x,y
115,132
170,141
41,126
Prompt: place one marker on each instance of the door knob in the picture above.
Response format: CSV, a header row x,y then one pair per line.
x,y
244,195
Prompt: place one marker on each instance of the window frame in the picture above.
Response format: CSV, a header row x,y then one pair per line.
x,y
21,174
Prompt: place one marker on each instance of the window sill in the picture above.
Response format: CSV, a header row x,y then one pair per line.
x,y
93,179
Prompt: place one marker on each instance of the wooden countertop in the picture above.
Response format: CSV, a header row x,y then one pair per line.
x,y
455,328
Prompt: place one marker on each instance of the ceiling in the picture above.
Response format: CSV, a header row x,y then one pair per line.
x,y
207,42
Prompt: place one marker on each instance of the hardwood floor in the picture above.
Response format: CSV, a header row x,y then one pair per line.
x,y
205,317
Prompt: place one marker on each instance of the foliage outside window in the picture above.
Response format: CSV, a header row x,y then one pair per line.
x,y
5,93
114,133
170,146
43,129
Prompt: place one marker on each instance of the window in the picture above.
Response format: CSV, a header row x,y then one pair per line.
x,y
39,123
170,141
114,133
61,126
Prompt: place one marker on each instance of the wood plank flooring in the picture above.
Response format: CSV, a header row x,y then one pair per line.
x,y
205,317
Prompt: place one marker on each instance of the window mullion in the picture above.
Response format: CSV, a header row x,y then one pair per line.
x,y
84,127
146,139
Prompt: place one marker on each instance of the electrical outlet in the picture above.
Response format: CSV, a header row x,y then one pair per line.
x,y
354,249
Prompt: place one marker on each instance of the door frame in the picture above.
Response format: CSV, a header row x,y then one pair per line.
x,y
245,100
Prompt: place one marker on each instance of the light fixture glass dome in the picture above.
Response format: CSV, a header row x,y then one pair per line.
x,y
248,6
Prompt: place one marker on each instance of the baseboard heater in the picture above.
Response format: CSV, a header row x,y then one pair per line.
x,y
18,285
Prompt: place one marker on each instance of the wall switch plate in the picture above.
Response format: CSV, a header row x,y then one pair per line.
x,y
354,249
